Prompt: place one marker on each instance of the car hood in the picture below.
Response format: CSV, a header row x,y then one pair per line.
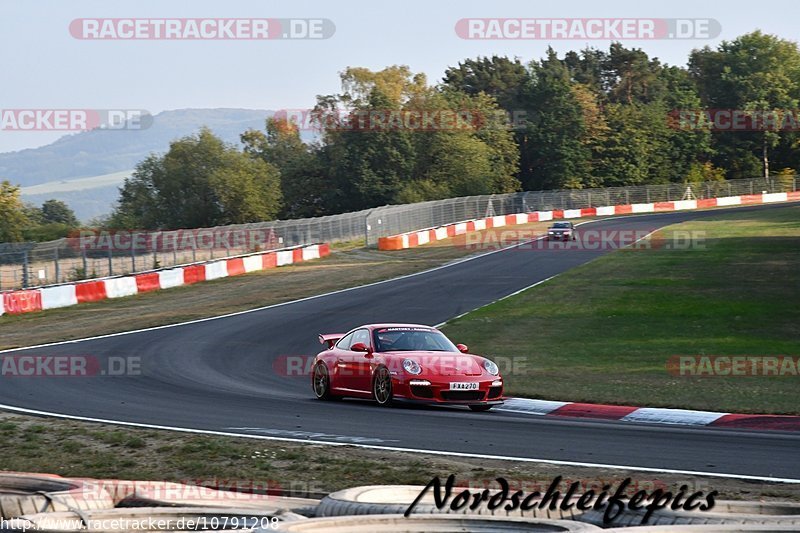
x,y
443,363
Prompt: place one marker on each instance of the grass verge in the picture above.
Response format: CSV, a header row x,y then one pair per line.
x,y
604,332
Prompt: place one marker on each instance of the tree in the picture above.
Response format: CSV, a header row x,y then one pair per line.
x,y
247,189
12,213
199,182
367,162
631,76
303,183
556,153
499,77
58,212
757,73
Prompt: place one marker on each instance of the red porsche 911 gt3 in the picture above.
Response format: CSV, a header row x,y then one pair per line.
x,y
404,362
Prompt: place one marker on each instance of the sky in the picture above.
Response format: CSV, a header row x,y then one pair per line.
x,y
45,67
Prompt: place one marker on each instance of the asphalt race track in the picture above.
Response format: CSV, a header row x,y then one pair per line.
x,y
224,375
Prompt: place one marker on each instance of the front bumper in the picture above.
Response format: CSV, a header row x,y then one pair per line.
x,y
425,390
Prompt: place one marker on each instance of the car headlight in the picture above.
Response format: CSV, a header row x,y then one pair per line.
x,y
411,366
490,367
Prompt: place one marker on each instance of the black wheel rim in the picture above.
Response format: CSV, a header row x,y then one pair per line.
x,y
383,386
320,381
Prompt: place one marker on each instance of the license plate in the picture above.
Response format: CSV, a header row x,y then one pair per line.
x,y
464,386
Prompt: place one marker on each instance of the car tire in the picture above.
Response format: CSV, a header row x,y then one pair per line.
x,y
382,386
321,382
480,408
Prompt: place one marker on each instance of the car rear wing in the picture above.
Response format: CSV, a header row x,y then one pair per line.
x,y
329,339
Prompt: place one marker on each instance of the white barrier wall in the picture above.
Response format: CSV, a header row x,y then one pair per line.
x,y
216,270
120,287
170,278
284,258
729,200
642,208
775,197
310,252
685,204
253,263
61,296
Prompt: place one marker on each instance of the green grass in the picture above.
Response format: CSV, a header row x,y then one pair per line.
x,y
603,332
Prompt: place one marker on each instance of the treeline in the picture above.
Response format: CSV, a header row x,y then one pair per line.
x,y
592,118
26,222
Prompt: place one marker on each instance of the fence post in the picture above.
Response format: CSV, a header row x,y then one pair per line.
x,y
647,193
110,261
55,260
25,269
85,266
366,228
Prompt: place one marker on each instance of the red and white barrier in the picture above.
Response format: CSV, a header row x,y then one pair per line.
x,y
28,301
650,415
420,237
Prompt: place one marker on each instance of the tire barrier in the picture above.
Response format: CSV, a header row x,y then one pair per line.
x,y
395,499
764,528
723,513
429,524
22,494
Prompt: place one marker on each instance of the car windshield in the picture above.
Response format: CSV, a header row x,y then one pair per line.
x,y
401,339
561,225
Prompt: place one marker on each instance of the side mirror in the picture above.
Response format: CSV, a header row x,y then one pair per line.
x,y
360,347
462,348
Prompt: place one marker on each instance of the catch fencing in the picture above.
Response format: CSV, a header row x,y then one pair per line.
x,y
94,255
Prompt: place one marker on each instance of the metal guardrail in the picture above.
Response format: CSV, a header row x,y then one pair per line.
x,y
36,264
